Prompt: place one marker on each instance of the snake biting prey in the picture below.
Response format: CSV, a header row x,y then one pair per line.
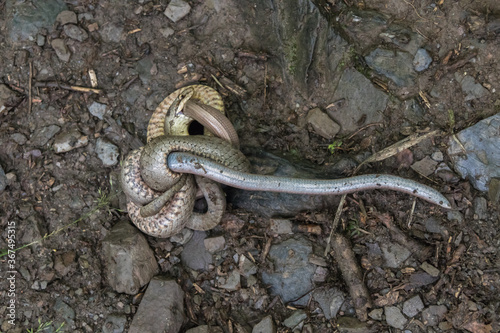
x,y
158,178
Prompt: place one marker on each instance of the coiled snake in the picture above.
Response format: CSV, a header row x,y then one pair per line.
x,y
161,202
149,175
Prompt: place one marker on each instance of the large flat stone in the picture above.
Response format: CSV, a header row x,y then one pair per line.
x,y
161,309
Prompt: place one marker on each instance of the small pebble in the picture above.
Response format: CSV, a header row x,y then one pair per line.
x,y
107,152
413,306
437,156
98,110
422,60
61,49
280,226
429,269
297,317
177,9
66,16
75,32
394,317
266,325
214,244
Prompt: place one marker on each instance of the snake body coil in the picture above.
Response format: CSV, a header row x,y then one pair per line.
x,y
162,200
145,174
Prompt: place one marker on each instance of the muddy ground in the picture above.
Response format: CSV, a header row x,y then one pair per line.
x,y
140,56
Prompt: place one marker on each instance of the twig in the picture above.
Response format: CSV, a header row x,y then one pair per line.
x,y
344,256
67,87
397,147
335,223
361,129
30,87
265,84
410,218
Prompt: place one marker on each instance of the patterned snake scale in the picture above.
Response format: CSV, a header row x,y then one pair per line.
x,y
145,175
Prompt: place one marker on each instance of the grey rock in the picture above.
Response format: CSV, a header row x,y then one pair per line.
x,y
353,325
362,100
157,312
246,266
434,314
66,16
481,161
66,312
114,323
425,166
8,98
472,89
376,314
292,274
85,16
494,191
145,68
231,281
437,156
422,60
112,32
67,141
40,40
394,254
42,135
394,317
429,269
322,124
129,261
481,208
413,306
19,138
330,301
297,317
195,255
107,152
182,237
455,216
98,110
167,32
3,180
412,111
177,9
395,65
214,244
280,226
75,32
419,279
61,49
266,325
11,178
24,20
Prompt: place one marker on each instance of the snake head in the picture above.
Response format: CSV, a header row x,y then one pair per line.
x,y
181,100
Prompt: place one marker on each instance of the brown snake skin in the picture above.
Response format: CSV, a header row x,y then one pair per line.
x,y
145,174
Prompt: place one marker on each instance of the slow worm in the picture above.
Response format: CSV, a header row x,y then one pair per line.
x,y
189,163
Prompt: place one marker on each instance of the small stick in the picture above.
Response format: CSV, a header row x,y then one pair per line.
x,y
30,102
335,223
410,218
67,87
344,256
